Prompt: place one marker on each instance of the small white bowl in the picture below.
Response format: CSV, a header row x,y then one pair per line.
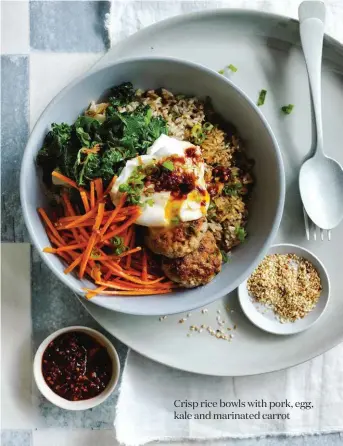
x,y
265,318
83,404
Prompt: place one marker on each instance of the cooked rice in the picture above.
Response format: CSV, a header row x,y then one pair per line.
x,y
227,212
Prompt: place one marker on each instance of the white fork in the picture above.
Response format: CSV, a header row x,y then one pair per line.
x,y
311,227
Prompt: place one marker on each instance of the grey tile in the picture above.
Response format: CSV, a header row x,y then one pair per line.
x,y
54,306
15,437
68,26
14,135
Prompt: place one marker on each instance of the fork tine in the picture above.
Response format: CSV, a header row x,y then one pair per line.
x,y
314,231
307,225
329,234
321,233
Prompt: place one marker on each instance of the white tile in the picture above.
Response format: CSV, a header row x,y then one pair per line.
x,y
15,27
50,73
17,411
65,437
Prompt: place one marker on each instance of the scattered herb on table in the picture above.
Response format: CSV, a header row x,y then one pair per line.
x,y
232,68
222,71
287,109
262,97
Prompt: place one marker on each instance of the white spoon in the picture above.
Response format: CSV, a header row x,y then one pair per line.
x,y
321,177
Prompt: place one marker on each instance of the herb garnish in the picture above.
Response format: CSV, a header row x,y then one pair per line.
x,y
134,186
232,68
240,233
118,244
232,190
168,164
262,97
287,109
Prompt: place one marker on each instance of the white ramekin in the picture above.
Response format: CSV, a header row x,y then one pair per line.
x,y
76,405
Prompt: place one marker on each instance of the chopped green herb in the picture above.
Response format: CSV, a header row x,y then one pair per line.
x,y
118,244
221,71
240,233
95,254
134,186
262,97
175,220
224,256
168,164
232,190
207,126
287,109
232,68
198,134
150,202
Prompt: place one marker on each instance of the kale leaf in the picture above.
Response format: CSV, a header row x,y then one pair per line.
x,y
90,149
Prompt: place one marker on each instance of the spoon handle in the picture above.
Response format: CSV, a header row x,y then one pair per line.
x,y
312,18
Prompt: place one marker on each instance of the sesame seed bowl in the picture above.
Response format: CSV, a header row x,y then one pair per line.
x,y
288,292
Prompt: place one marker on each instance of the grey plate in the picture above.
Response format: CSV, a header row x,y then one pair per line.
x,y
266,50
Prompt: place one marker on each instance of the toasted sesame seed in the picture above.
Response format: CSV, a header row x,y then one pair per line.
x,y
288,284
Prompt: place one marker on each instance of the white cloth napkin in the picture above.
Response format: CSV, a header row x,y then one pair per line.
x,y
128,16
145,410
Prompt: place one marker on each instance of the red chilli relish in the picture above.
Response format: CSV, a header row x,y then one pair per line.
x,y
76,366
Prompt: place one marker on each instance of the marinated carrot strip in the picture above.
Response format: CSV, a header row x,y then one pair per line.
x,y
131,243
129,210
92,197
109,187
126,276
131,251
99,217
81,218
133,292
114,214
99,189
65,248
64,256
73,265
96,291
121,228
84,199
123,285
86,254
64,179
49,224
71,212
108,275
144,266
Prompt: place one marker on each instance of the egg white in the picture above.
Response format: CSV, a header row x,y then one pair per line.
x,y
160,209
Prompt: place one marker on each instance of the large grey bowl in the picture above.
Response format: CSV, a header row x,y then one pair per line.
x,y
183,77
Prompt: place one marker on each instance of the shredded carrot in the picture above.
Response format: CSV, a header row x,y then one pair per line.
x,y
144,266
64,179
81,218
114,214
121,228
49,224
87,253
92,195
84,199
130,252
109,187
99,217
73,265
65,248
99,189
133,292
